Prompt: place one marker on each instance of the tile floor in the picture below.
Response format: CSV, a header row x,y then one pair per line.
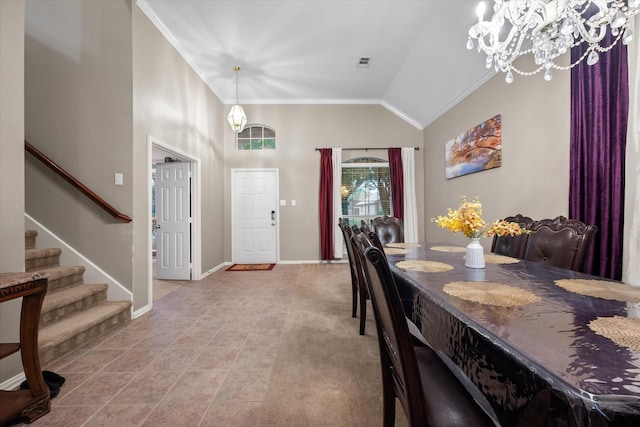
x,y
198,359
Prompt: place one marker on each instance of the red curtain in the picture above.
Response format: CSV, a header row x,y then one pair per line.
x,y
397,182
599,109
326,204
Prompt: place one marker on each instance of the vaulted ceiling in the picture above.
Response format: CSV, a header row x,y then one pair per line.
x,y
308,52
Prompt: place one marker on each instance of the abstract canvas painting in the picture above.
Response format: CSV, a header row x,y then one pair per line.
x,y
478,149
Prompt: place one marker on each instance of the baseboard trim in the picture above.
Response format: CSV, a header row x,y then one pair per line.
x,y
335,261
13,383
213,270
143,310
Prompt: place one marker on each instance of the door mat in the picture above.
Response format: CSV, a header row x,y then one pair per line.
x,y
250,267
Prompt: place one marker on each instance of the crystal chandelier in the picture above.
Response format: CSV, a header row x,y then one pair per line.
x,y
237,118
547,29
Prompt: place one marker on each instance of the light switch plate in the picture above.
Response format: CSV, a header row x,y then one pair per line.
x,y
283,203
293,203
119,179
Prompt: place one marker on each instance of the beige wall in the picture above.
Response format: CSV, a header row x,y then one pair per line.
x,y
78,111
534,177
299,130
12,135
11,167
174,106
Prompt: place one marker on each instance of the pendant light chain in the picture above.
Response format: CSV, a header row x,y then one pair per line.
x,y
236,69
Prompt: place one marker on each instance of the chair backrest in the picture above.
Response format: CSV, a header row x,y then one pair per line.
x,y
346,234
560,242
513,246
396,346
389,229
359,243
364,226
375,240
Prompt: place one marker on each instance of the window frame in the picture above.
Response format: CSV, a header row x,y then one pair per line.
x,y
353,164
253,142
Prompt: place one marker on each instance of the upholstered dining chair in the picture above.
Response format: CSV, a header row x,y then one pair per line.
x,y
429,392
346,234
560,242
512,246
389,229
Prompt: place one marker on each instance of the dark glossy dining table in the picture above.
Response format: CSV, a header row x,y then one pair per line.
x,y
537,364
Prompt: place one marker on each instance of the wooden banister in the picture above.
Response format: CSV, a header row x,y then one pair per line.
x,y
77,184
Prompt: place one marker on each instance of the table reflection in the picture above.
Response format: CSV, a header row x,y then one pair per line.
x,y
537,362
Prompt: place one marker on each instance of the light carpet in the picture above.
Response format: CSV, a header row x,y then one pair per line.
x,y
326,374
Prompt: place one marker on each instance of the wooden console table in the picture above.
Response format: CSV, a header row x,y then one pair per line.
x,y
33,402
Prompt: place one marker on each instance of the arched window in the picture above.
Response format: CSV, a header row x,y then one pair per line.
x,y
256,137
365,190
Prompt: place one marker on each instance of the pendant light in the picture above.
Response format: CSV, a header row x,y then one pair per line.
x,y
237,118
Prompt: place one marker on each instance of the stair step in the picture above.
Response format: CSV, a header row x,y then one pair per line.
x,y
38,259
64,303
63,277
79,329
30,239
73,313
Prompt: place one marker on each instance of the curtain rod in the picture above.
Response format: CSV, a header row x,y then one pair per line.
x,y
366,149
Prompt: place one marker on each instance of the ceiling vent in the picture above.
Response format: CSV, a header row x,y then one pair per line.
x,y
364,62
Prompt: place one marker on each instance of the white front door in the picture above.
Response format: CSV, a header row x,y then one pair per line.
x,y
254,216
173,234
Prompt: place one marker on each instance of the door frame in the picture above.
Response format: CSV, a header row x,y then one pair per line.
x,y
276,202
196,208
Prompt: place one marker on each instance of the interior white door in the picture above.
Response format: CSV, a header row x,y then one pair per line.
x,y
255,214
173,234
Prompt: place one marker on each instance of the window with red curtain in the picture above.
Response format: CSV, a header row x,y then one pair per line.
x,y
326,204
397,182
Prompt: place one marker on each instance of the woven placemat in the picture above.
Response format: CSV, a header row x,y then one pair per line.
x,y
601,289
403,245
395,251
448,248
490,293
500,259
424,266
624,331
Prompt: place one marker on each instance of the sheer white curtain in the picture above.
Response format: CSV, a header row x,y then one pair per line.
x,y
336,162
631,272
410,204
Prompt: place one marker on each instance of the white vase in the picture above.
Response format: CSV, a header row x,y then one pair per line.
x,y
474,256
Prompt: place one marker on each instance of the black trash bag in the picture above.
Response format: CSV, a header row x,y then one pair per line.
x,y
53,381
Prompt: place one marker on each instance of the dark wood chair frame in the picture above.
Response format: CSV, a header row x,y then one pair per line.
x,y
428,391
346,234
360,294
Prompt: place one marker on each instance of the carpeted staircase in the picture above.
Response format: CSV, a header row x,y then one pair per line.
x,y
73,313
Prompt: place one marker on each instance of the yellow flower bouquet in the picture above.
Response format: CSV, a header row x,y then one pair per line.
x,y
467,219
